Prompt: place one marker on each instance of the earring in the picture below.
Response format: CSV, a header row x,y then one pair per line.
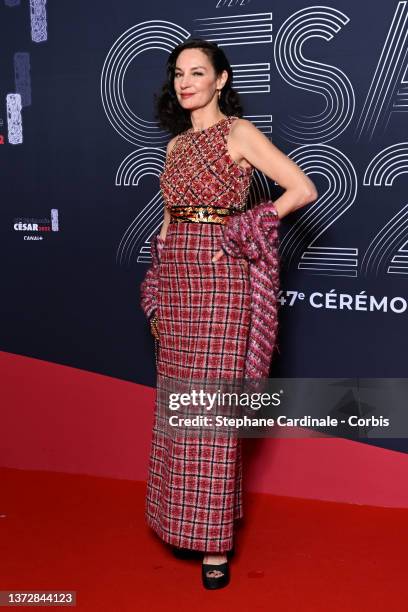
x,y
219,93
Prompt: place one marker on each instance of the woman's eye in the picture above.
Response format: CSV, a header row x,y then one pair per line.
x,y
194,73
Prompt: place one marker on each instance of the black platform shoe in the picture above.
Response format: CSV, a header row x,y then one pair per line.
x,y
230,553
186,553
212,582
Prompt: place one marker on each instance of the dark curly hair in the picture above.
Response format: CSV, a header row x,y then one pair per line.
x,y
168,112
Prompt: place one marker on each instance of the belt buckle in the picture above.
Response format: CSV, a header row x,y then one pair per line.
x,y
201,214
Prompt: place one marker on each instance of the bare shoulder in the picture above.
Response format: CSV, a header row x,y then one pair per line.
x,y
243,127
244,131
243,134
246,136
172,143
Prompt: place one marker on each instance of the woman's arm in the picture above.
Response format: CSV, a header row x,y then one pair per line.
x,y
163,231
150,284
248,143
166,221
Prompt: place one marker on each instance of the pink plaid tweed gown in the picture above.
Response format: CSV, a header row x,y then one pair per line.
x,y
194,487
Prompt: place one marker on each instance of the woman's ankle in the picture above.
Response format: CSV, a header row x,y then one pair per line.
x,y
215,558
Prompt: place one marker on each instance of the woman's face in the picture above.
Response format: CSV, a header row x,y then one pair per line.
x,y
195,81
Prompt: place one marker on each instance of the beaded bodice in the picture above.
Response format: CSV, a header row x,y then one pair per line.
x,y
199,170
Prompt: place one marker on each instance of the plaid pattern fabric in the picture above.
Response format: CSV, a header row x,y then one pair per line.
x,y
194,488
200,171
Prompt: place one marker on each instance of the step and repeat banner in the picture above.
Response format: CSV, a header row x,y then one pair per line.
x,y
81,155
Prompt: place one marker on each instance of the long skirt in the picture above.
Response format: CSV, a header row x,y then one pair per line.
x,y
194,486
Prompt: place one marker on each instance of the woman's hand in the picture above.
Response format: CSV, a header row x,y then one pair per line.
x,y
218,255
154,327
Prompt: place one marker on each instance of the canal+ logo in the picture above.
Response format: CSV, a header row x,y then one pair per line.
x,y
37,227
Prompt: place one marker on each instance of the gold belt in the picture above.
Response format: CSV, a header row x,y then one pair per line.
x,y
200,214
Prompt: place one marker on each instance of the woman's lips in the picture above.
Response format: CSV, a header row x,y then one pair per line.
x,y
183,95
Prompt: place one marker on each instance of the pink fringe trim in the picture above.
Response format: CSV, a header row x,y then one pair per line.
x,y
149,287
254,236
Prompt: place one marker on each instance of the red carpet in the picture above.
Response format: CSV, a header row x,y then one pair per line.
x,y
87,534
111,422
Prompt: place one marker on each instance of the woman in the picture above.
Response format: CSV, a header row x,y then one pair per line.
x,y
198,297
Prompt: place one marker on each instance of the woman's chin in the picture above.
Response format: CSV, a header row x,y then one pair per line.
x,y
187,105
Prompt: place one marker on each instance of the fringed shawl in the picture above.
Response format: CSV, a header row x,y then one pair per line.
x,y
149,287
254,236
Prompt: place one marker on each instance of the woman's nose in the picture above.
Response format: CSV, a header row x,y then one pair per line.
x,y
185,82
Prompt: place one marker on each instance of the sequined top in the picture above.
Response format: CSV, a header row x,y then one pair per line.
x,y
199,170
